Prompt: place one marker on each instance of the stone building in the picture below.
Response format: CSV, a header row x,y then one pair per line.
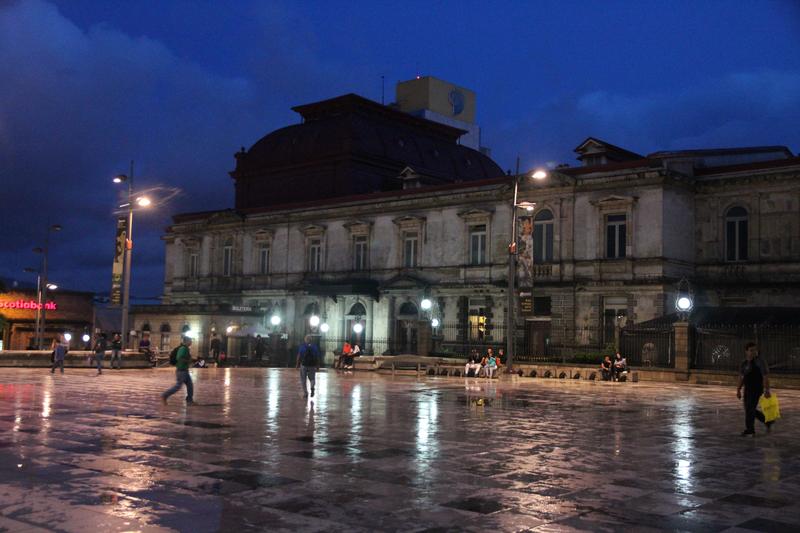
x,y
414,216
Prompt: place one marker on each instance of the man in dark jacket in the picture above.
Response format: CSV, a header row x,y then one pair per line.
x,y
100,346
754,377
308,361
182,361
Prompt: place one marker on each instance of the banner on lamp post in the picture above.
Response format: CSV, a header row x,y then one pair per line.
x,y
118,265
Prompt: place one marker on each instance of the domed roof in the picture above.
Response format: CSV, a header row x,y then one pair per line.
x,y
357,145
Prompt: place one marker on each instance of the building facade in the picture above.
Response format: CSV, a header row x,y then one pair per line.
x,y
63,312
604,245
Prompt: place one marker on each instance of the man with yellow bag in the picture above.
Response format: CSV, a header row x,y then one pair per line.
x,y
754,376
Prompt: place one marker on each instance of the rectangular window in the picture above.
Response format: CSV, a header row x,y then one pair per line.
x,y
194,260
314,255
542,306
410,250
263,260
477,323
736,237
477,245
227,260
359,253
164,344
615,236
543,243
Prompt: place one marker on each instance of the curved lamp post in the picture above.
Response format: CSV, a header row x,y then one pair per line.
x,y
141,201
512,262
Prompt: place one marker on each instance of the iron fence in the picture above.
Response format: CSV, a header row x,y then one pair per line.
x,y
721,347
648,347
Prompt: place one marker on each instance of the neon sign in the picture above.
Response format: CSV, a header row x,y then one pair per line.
x,y
29,304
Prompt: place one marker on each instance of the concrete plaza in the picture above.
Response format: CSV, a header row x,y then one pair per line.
x,y
89,453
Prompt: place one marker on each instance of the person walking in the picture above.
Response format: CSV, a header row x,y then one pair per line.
x,y
754,377
308,361
182,360
214,347
60,349
116,351
100,346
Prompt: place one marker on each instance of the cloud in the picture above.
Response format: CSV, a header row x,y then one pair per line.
x,y
79,105
739,109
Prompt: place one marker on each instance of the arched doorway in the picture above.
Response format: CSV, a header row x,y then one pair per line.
x,y
356,325
406,328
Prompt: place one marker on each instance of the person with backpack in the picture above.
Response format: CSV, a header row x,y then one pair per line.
x,y
116,351
308,361
60,349
181,358
99,351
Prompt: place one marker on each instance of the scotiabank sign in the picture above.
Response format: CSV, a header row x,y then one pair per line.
x,y
28,304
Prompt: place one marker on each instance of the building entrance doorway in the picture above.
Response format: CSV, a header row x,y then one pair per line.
x,y
537,338
406,332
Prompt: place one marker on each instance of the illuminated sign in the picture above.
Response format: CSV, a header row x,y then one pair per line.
x,y
28,304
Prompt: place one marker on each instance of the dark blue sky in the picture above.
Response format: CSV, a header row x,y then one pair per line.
x,y
180,86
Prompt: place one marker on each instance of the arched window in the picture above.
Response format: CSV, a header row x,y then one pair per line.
x,y
543,237
736,234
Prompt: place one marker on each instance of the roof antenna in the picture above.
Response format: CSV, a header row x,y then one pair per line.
x,y
383,88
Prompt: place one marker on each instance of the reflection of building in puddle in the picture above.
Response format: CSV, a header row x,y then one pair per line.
x,y
682,448
356,415
226,394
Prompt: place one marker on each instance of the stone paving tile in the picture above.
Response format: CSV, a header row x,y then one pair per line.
x,y
380,453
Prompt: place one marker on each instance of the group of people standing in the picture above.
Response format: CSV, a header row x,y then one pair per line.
x,y
483,366
101,346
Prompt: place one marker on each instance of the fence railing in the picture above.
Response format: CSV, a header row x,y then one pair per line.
x,y
721,347
648,347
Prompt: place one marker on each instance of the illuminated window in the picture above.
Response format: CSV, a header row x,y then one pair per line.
x,y
477,319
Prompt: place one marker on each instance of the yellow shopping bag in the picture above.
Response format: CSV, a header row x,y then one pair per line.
x,y
770,408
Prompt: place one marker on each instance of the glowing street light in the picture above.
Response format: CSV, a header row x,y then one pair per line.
x,y
426,304
435,322
324,327
313,321
86,337
67,336
358,328
275,320
141,201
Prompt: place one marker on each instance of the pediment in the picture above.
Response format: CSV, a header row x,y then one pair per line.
x,y
263,235
224,217
613,201
476,214
409,220
404,281
313,230
358,225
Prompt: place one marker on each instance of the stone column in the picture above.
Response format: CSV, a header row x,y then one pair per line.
x,y
682,350
424,337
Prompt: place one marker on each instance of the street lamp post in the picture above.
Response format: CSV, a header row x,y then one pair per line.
x,y
126,272
41,308
512,266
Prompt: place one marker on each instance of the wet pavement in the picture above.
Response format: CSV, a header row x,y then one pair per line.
x,y
377,453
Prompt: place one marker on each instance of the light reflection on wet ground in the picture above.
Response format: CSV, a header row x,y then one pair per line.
x,y
376,453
